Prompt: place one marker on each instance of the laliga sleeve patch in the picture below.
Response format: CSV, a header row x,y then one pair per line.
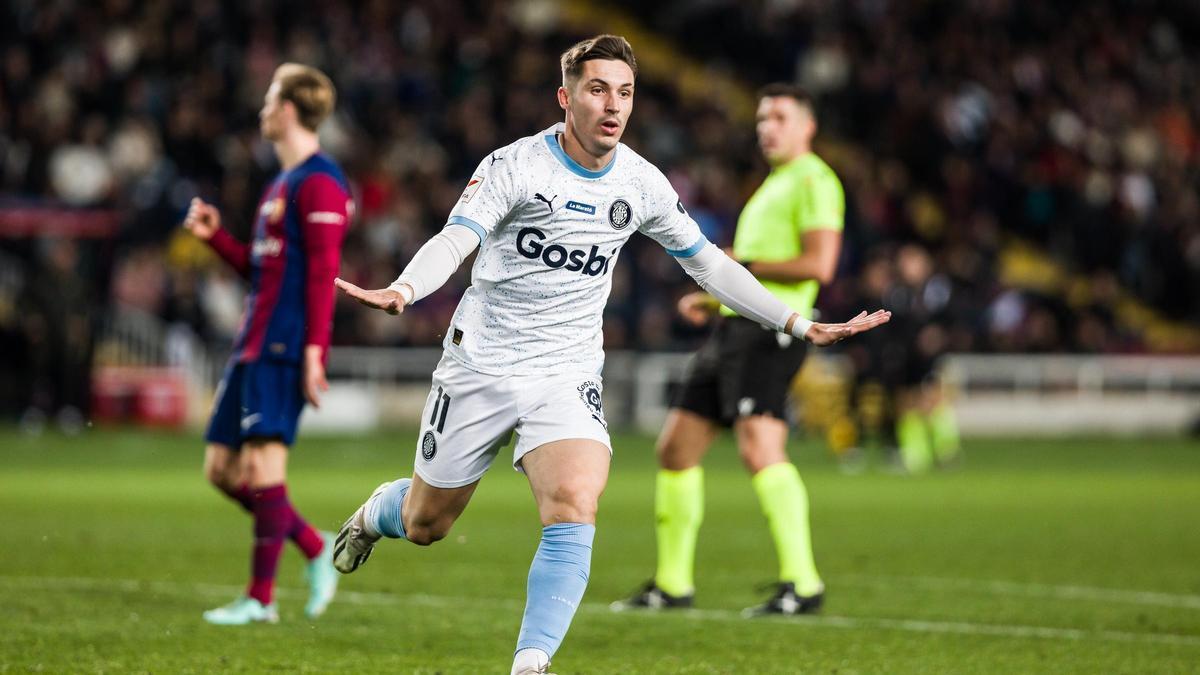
x,y
472,187
325,218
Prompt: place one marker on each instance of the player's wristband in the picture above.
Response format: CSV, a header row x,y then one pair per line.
x,y
405,289
799,326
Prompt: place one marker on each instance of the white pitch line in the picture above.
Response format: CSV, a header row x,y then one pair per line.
x,y
847,622
1029,590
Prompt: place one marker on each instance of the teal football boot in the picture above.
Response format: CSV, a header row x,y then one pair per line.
x,y
242,611
322,579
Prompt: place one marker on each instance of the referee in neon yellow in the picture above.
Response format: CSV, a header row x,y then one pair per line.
x,y
789,235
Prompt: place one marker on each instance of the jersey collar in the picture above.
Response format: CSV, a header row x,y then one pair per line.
x,y
551,137
792,163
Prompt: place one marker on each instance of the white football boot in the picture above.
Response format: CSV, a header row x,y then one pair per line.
x,y
354,544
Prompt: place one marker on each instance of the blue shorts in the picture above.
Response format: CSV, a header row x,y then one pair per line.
x,y
256,400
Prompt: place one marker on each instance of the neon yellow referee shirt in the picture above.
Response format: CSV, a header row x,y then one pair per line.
x,y
800,196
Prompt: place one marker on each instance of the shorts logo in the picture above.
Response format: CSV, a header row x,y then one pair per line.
x,y
745,406
428,446
589,392
620,214
250,420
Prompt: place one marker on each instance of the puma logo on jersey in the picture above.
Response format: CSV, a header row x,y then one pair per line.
x,y
591,263
549,202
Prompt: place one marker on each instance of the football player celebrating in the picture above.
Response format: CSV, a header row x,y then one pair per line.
x,y
549,214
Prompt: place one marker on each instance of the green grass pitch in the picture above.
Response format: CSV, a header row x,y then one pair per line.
x,y
1036,557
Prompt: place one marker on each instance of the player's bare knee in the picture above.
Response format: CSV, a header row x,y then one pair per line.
x,y
250,466
426,532
215,475
220,477
675,456
221,469
570,504
667,453
757,455
420,535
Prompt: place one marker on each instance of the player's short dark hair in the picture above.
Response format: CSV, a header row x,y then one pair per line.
x,y
790,90
310,90
608,47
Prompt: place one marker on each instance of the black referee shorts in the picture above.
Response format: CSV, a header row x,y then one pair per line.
x,y
743,369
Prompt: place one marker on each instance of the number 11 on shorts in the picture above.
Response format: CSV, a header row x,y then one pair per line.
x,y
442,403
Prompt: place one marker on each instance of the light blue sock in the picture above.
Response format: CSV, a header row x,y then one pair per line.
x,y
383,512
557,580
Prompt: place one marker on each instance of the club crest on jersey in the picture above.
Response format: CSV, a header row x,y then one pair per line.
x,y
620,214
472,187
428,446
272,210
589,393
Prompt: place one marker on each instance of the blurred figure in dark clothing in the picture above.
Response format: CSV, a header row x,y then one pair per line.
x,y
897,399
926,429
875,376
56,310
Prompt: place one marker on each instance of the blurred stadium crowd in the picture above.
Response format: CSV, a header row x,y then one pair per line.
x,y
957,129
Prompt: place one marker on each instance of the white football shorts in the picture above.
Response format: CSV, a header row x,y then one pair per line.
x,y
469,416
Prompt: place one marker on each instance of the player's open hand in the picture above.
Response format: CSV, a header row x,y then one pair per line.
x,y
386,299
697,308
203,219
823,334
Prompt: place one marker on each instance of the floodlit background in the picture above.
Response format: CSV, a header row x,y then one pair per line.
x,y
1023,191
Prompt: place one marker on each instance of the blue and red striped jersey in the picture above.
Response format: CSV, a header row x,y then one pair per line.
x,y
292,261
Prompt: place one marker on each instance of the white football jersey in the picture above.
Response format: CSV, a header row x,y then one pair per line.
x,y
550,233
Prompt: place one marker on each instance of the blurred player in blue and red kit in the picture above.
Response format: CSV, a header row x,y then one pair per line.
x,y
279,355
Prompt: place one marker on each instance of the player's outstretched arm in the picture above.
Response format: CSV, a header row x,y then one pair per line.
x,y
736,288
824,334
389,299
426,272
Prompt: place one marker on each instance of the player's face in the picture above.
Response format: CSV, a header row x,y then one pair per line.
x,y
599,103
270,118
785,128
